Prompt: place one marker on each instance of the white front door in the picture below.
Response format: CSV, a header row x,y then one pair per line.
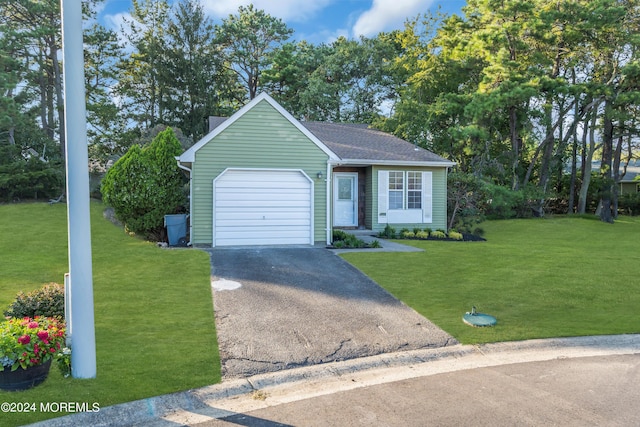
x,y
345,199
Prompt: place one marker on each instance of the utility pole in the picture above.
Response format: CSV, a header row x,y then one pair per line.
x,y
81,319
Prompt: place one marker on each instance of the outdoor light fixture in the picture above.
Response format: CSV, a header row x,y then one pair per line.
x,y
319,175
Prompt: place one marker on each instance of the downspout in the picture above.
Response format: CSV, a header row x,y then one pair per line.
x,y
184,168
329,206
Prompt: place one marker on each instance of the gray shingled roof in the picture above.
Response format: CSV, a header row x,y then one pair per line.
x,y
359,142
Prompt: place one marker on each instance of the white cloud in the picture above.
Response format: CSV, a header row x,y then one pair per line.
x,y
287,10
386,15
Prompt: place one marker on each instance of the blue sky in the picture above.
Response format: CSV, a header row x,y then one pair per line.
x,y
316,21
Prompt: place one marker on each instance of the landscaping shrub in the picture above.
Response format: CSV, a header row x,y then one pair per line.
x,y
146,184
629,204
48,301
422,235
455,235
438,234
388,233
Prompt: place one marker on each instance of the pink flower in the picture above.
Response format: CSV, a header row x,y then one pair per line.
x,y
52,350
43,335
33,325
24,340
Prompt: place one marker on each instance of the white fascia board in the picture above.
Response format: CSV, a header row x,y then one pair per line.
x,y
190,154
444,164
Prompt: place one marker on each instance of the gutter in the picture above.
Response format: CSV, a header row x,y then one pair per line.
x,y
184,168
329,208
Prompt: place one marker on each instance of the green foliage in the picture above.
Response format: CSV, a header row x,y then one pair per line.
x,y
375,244
438,234
48,301
23,175
247,39
26,341
455,235
388,233
422,234
629,203
342,239
146,184
406,234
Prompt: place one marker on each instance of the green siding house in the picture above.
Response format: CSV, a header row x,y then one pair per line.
x,y
261,177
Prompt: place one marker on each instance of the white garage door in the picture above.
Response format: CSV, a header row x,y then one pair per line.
x,y
262,207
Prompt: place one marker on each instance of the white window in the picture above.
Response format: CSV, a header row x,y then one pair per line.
x,y
414,190
396,190
403,196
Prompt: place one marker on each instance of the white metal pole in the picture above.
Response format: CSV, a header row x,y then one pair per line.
x,y
83,345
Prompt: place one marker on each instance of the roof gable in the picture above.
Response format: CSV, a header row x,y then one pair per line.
x,y
189,155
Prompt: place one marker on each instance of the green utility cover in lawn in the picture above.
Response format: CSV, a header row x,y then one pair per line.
x,y
478,319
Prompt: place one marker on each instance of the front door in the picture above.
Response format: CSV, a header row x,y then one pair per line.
x,y
345,199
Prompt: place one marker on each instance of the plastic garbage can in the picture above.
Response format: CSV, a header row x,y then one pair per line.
x,y
176,229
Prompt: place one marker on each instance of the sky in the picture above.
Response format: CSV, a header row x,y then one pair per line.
x,y
316,21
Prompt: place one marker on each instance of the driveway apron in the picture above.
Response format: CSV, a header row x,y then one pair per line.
x,y
280,308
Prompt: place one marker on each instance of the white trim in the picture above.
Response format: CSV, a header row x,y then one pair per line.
x,y
328,207
190,154
383,196
190,200
370,162
312,194
423,215
354,196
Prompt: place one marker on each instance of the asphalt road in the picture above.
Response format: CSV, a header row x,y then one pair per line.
x,y
587,391
282,308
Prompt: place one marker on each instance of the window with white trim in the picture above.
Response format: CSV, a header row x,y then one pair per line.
x,y
396,190
403,196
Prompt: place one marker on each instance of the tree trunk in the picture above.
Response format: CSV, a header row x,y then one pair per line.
x,y
587,156
515,147
605,167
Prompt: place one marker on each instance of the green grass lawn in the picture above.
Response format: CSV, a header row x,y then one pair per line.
x,y
154,323
540,278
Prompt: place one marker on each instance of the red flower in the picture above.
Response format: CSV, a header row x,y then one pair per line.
x,y
43,335
24,340
33,325
52,350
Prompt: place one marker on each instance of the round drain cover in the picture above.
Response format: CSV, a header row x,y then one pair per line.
x,y
479,319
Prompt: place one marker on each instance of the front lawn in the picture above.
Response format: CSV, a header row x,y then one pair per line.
x,y
154,323
557,277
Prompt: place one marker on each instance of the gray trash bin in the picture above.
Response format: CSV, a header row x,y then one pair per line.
x,y
176,229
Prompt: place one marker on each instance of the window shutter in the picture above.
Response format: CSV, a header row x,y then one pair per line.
x,y
383,196
427,197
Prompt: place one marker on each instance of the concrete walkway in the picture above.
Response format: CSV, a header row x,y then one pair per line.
x,y
239,402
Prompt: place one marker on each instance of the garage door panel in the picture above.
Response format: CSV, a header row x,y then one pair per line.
x,y
262,207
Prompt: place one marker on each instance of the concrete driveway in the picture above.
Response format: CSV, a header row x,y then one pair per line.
x,y
281,308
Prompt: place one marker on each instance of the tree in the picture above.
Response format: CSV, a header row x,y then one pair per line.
x,y
197,83
145,184
140,86
247,40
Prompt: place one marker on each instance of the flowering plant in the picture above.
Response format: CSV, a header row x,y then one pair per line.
x,y
29,341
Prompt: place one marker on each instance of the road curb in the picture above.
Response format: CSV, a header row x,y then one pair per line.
x,y
235,396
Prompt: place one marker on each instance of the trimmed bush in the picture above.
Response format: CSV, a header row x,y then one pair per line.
x,y
455,235
48,301
146,184
438,234
422,235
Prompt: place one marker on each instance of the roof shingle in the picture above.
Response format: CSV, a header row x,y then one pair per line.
x,y
360,142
